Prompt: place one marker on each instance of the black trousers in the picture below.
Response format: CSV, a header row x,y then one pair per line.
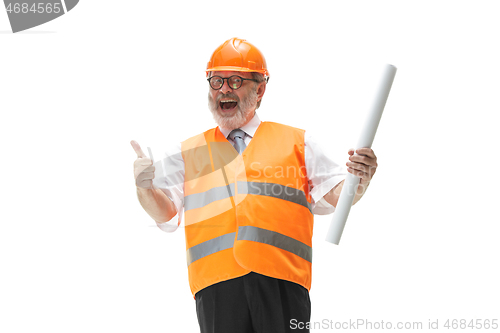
x,y
253,303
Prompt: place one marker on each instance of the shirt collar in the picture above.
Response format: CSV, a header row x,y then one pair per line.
x,y
249,128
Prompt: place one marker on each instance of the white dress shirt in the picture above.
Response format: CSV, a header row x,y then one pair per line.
x,y
323,174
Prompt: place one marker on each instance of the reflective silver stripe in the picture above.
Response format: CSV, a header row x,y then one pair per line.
x,y
210,246
275,239
198,200
276,191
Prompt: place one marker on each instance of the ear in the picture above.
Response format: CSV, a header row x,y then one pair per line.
x,y
261,89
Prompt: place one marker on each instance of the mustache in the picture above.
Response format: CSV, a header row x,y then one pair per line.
x,y
229,95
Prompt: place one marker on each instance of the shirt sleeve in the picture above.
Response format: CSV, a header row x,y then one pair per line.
x,y
169,177
323,173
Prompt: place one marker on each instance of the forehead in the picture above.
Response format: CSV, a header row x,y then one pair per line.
x,y
225,74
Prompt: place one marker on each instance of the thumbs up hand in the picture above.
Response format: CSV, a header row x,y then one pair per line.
x,y
144,170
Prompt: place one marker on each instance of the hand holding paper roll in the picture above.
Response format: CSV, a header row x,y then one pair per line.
x,y
363,164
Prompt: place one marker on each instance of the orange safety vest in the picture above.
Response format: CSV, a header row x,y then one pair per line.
x,y
249,212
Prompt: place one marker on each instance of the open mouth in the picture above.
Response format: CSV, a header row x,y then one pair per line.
x,y
228,104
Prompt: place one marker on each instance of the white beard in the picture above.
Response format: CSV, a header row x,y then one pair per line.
x,y
245,110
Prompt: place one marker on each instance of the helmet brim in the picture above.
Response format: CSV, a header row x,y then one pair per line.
x,y
236,69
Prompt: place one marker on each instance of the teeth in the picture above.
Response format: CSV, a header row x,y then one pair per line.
x,y
228,101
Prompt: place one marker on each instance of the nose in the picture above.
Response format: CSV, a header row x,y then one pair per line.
x,y
225,87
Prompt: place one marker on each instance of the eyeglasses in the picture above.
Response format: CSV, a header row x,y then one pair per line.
x,y
234,82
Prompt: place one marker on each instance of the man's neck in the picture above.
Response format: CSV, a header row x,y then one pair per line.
x,y
249,127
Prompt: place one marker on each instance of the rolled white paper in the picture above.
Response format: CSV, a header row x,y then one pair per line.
x,y
365,141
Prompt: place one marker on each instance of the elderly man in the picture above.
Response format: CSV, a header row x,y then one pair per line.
x,y
248,190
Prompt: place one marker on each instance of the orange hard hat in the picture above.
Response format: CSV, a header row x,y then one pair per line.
x,y
237,55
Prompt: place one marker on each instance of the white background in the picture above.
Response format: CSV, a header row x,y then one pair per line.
x,y
78,253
